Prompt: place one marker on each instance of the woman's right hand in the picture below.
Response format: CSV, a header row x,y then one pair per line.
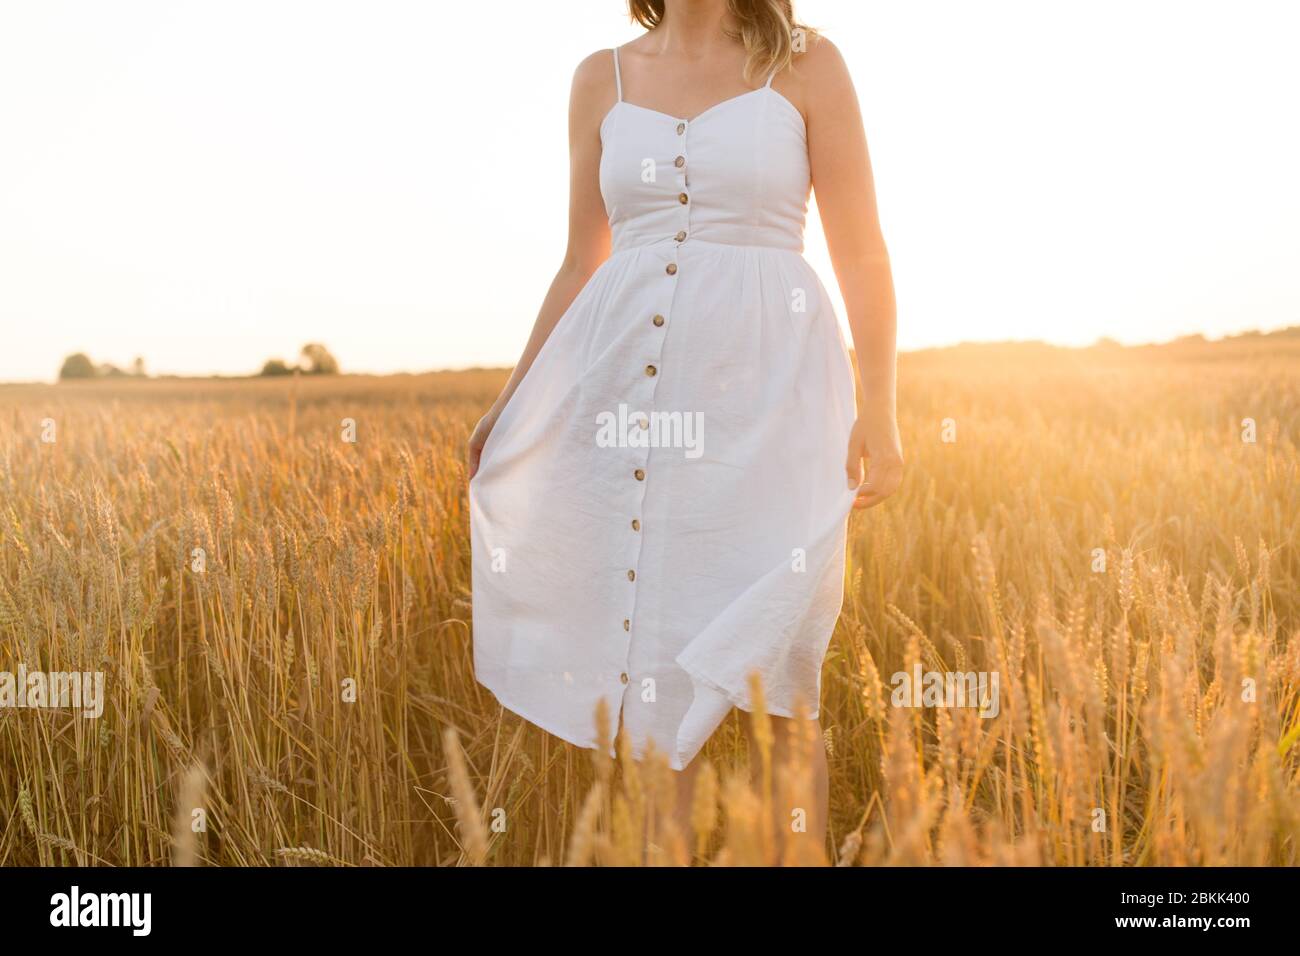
x,y
479,438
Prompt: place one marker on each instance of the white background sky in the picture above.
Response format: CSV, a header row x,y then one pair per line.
x,y
208,184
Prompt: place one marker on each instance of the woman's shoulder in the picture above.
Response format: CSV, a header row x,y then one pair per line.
x,y
595,69
819,62
594,77
817,74
594,88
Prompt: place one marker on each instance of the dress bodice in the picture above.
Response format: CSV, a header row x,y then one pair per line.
x,y
736,174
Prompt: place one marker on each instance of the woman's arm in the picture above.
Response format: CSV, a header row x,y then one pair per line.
x,y
846,196
591,97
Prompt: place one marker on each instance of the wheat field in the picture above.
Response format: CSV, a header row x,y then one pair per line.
x,y
1096,526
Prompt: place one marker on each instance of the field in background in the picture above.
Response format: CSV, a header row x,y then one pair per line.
x,y
1150,710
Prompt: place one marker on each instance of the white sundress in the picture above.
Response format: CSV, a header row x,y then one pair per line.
x,y
660,508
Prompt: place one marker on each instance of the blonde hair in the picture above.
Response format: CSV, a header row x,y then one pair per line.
x,y
767,28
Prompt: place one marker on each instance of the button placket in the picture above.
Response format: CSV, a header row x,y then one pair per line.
x,y
649,375
681,163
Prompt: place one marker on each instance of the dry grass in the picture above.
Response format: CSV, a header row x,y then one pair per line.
x,y
1121,691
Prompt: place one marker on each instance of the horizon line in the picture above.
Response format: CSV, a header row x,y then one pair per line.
x,y
1106,342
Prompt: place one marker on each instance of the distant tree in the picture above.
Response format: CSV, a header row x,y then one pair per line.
x,y
77,365
109,370
137,367
318,360
276,367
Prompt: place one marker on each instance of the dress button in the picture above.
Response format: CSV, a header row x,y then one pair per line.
x,y
658,320
681,236
672,269
679,162
640,475
627,625
636,524
681,128
683,198
631,575
651,371
622,678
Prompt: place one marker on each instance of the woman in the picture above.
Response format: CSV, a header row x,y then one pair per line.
x,y
659,495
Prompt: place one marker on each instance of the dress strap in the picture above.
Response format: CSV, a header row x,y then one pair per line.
x,y
618,76
770,77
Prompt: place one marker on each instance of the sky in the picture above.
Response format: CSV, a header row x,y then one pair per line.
x,y
207,185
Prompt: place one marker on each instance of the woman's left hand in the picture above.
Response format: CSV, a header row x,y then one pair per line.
x,y
884,467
